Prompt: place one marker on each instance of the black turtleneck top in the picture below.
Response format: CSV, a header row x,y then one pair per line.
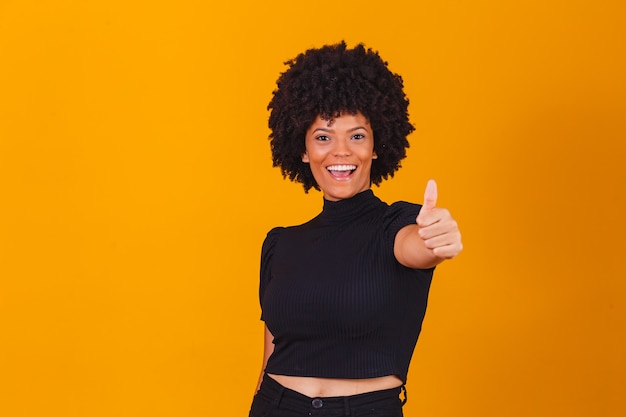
x,y
334,296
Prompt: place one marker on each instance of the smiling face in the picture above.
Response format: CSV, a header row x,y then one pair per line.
x,y
340,154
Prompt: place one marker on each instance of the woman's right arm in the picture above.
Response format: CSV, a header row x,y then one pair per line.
x,y
268,348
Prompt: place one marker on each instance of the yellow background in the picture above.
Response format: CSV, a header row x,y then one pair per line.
x,y
136,188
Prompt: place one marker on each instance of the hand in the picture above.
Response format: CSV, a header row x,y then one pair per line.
x,y
437,228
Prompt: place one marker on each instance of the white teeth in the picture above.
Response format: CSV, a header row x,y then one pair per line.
x,y
341,167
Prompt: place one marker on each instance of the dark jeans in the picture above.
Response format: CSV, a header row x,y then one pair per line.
x,y
274,400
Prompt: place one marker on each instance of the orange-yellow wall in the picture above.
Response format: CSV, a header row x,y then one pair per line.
x,y
136,188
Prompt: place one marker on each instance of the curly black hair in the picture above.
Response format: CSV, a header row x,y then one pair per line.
x,y
327,82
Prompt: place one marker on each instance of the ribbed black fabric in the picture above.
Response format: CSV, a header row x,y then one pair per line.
x,y
333,295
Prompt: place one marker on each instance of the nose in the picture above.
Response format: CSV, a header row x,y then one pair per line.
x,y
341,148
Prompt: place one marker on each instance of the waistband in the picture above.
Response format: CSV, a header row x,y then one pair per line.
x,y
283,396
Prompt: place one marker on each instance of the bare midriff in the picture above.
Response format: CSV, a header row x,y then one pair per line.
x,y
335,387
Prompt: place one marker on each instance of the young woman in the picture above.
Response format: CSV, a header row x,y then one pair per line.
x,y
343,296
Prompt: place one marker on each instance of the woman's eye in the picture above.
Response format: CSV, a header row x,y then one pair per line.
x,y
322,137
358,136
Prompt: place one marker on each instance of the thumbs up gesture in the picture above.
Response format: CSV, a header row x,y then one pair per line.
x,y
436,227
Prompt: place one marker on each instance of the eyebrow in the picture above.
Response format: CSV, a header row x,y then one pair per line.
x,y
352,129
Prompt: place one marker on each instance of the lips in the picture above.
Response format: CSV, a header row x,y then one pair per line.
x,y
341,171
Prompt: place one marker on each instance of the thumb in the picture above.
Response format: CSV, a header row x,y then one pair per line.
x,y
430,196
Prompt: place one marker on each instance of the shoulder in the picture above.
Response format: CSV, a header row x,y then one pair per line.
x,y
271,238
400,214
275,232
400,209
403,206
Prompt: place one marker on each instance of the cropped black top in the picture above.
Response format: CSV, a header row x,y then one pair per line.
x,y
336,300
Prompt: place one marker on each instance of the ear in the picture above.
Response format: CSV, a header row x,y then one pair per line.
x,y
374,155
305,158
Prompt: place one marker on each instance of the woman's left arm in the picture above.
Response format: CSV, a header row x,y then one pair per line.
x,y
433,239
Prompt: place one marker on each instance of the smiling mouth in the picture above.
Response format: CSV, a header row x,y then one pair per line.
x,y
341,171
